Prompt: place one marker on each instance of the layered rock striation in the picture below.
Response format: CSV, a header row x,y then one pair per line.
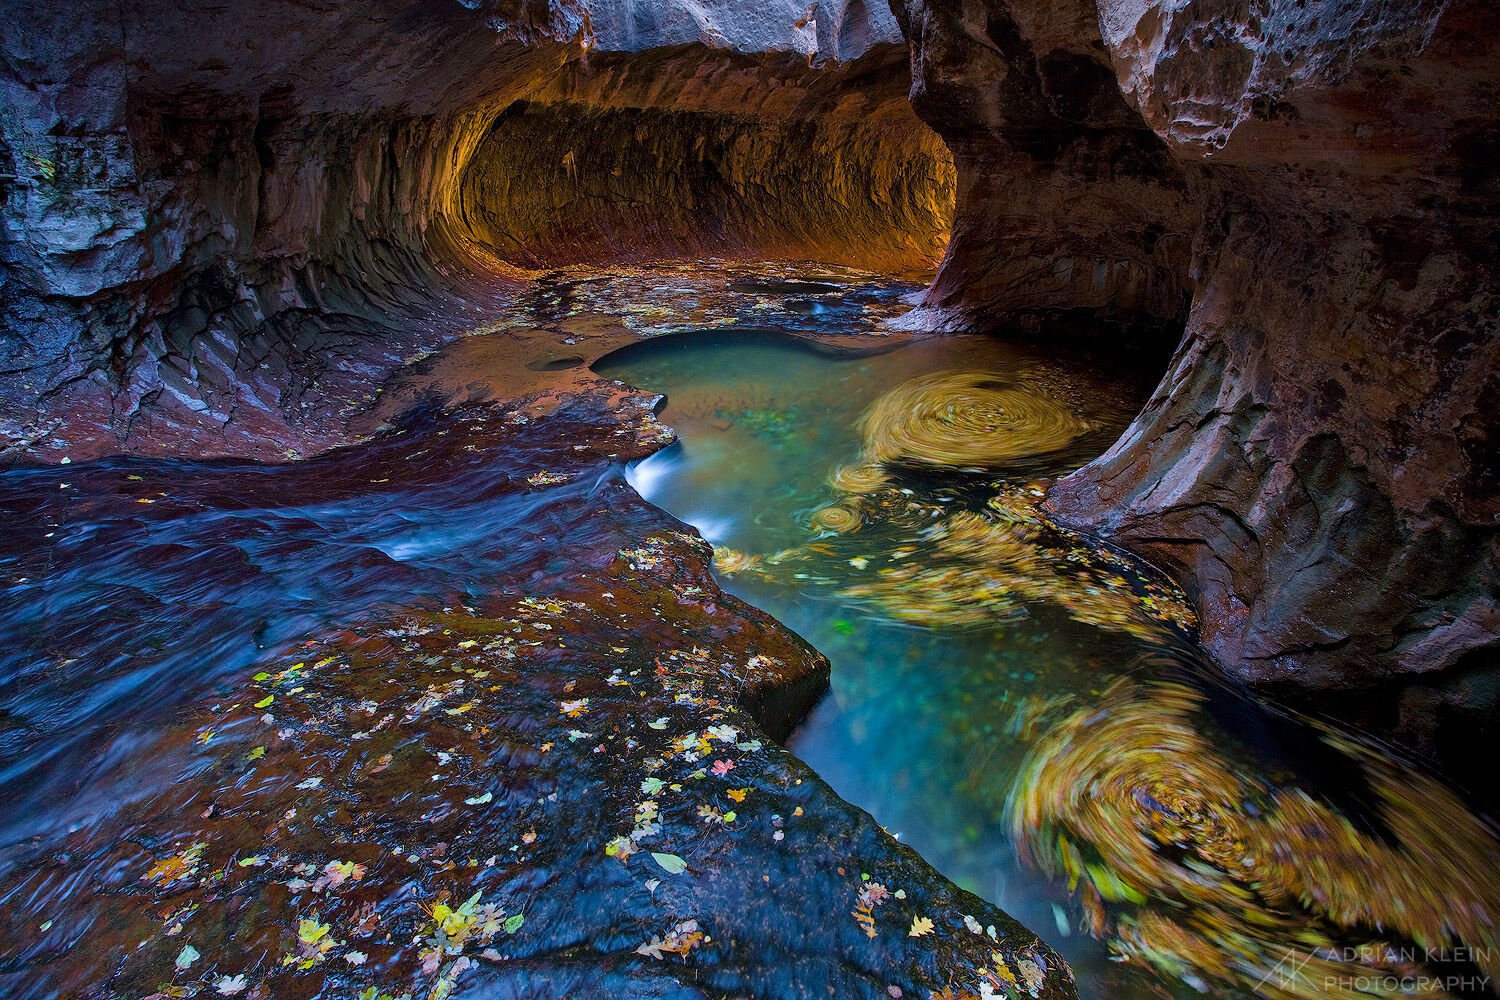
x,y
1318,465
1071,211
222,232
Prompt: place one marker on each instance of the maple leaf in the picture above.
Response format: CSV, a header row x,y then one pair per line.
x,y
738,794
723,767
488,920
310,932
920,926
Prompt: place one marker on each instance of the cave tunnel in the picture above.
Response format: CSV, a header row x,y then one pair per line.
x,y
674,498
842,172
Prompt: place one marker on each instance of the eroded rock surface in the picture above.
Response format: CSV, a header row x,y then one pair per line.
x,y
222,231
1069,207
1319,464
453,762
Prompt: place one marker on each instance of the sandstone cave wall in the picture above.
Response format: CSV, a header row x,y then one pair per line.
x,y
669,154
1319,464
221,229
1070,209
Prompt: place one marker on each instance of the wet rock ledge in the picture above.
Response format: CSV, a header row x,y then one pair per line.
x,y
562,779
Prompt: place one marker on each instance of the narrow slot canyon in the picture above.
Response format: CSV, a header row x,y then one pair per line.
x,y
603,499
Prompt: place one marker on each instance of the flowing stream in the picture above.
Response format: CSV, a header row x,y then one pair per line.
x,y
1011,710
1021,704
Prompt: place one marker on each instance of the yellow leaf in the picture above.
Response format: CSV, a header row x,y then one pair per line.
x,y
310,931
919,927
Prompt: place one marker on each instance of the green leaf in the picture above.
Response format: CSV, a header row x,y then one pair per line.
x,y
261,676
513,922
265,701
671,863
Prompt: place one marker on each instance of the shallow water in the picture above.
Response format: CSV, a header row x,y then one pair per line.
x,y
134,586
936,718
141,595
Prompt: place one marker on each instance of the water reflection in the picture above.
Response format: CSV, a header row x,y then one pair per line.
x,y
1025,706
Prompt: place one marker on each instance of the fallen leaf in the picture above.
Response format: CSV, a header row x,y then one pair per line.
x,y
228,986
670,863
310,932
919,927
186,957
621,848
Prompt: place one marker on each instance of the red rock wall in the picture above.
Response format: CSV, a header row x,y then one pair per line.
x,y
1069,207
222,229
680,152
1319,464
